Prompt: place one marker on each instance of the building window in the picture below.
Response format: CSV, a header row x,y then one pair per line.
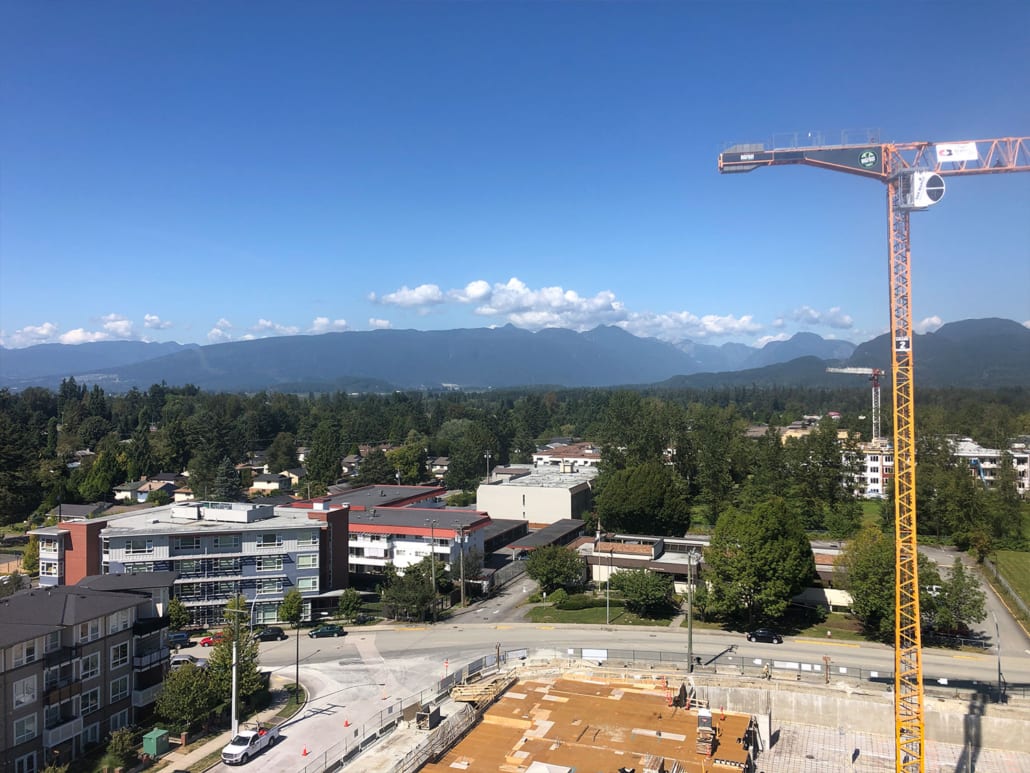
x,y
307,583
48,545
119,688
119,720
227,565
270,564
25,729
227,542
49,569
25,691
119,621
311,538
139,567
359,552
89,631
307,561
187,544
119,654
269,540
138,546
52,643
26,764
90,666
90,701
269,586
91,735
26,652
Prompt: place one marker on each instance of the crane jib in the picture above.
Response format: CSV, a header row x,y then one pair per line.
x,y
860,159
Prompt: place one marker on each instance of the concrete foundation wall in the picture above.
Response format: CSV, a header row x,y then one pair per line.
x,y
946,721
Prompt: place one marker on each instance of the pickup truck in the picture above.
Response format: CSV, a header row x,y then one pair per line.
x,y
249,743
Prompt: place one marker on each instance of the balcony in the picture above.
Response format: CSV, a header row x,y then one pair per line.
x,y
60,656
146,696
150,659
64,690
148,625
58,734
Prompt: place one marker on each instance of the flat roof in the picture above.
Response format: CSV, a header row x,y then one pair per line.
x,y
385,518
549,534
159,520
548,477
365,497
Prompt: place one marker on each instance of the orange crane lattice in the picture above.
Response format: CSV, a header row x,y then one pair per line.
x,y
913,173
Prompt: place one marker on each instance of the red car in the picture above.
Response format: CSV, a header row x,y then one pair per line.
x,y
213,639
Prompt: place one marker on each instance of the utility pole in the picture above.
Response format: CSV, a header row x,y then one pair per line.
x,y
235,612
608,592
487,456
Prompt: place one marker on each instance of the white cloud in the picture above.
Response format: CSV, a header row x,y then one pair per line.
x,y
265,328
473,292
545,307
928,324
30,335
118,326
154,322
82,336
677,325
1027,323
379,324
763,340
423,295
221,332
833,317
326,325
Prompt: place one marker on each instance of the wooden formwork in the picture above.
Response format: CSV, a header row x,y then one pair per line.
x,y
590,723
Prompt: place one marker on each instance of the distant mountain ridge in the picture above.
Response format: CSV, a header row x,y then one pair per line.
x,y
990,352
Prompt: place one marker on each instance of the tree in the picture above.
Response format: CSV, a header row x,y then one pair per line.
x,y
282,453
866,570
122,747
323,463
219,667
375,468
647,498
959,602
178,614
30,558
757,561
291,611
10,583
555,566
350,604
646,593
226,485
100,479
407,596
410,460
187,697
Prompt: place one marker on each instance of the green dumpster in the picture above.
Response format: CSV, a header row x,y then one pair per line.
x,y
155,743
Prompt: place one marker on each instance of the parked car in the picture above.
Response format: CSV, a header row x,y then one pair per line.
x,y
326,630
213,639
766,635
181,659
271,633
178,639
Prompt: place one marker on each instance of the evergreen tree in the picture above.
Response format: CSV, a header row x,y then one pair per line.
x,y
323,463
226,485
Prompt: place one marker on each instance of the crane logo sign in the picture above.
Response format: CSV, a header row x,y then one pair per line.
x,y
867,159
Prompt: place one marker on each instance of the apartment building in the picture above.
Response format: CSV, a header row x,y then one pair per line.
x,y
548,495
77,662
985,463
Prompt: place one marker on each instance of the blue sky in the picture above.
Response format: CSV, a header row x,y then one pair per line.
x,y
205,172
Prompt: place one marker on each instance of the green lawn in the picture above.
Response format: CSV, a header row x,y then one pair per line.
x,y
591,616
1015,567
870,512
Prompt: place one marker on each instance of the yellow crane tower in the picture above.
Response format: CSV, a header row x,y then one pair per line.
x,y
913,173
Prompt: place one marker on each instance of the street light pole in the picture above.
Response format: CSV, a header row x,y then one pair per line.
x,y
487,456
691,561
461,559
608,592
997,639
236,666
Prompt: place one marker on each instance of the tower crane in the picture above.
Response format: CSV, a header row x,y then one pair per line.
x,y
874,376
914,174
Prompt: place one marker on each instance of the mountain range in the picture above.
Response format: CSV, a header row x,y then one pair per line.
x,y
971,353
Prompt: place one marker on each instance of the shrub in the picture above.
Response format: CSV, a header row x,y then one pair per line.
x,y
558,597
581,601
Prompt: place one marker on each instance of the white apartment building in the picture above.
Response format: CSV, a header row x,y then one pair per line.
x,y
547,495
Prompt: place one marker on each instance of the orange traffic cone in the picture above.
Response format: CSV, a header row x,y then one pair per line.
x,y
305,752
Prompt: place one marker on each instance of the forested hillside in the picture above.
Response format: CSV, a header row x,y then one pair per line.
x,y
714,466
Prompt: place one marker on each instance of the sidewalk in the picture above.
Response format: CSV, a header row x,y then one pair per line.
x,y
177,759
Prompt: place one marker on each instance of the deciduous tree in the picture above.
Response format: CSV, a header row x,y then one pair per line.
x,y
646,593
555,566
647,498
758,560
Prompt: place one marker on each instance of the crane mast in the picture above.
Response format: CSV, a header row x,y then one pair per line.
x,y
913,173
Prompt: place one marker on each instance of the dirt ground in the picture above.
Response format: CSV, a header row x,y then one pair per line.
x,y
592,724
